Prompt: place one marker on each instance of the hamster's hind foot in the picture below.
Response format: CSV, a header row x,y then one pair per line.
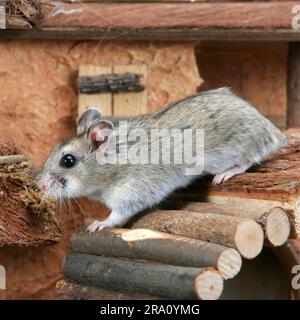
x,y
224,176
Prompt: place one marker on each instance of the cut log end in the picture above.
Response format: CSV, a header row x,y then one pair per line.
x,y
277,227
209,285
297,219
229,263
249,239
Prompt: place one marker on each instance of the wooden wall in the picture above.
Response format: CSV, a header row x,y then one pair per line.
x,y
255,71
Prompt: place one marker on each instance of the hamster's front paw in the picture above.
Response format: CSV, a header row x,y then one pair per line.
x,y
97,226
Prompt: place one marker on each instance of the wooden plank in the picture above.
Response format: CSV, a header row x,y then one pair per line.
x,y
131,103
157,34
127,16
293,86
101,100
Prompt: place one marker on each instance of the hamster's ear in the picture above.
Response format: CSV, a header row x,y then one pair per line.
x,y
99,133
89,117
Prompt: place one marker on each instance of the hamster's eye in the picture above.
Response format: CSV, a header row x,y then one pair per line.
x,y
67,161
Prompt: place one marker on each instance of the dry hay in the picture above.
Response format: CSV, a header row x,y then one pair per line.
x,y
25,219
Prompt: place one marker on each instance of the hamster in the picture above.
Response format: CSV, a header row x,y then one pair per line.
x,y
236,136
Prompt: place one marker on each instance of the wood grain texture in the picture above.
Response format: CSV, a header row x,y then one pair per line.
x,y
131,103
245,235
71,291
159,246
143,277
155,34
263,15
100,100
275,222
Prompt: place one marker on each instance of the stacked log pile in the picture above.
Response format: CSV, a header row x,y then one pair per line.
x,y
197,238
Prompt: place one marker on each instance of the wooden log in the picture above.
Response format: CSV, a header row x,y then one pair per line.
x,y
12,159
72,291
275,221
143,277
115,83
245,235
293,86
159,246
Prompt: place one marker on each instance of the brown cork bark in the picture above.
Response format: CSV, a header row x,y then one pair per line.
x,y
25,218
143,277
159,246
245,235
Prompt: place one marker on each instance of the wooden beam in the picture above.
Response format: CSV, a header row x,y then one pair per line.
x,y
231,21
143,276
127,16
157,34
293,86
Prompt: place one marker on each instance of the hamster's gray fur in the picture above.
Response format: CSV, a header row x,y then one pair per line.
x,y
236,136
